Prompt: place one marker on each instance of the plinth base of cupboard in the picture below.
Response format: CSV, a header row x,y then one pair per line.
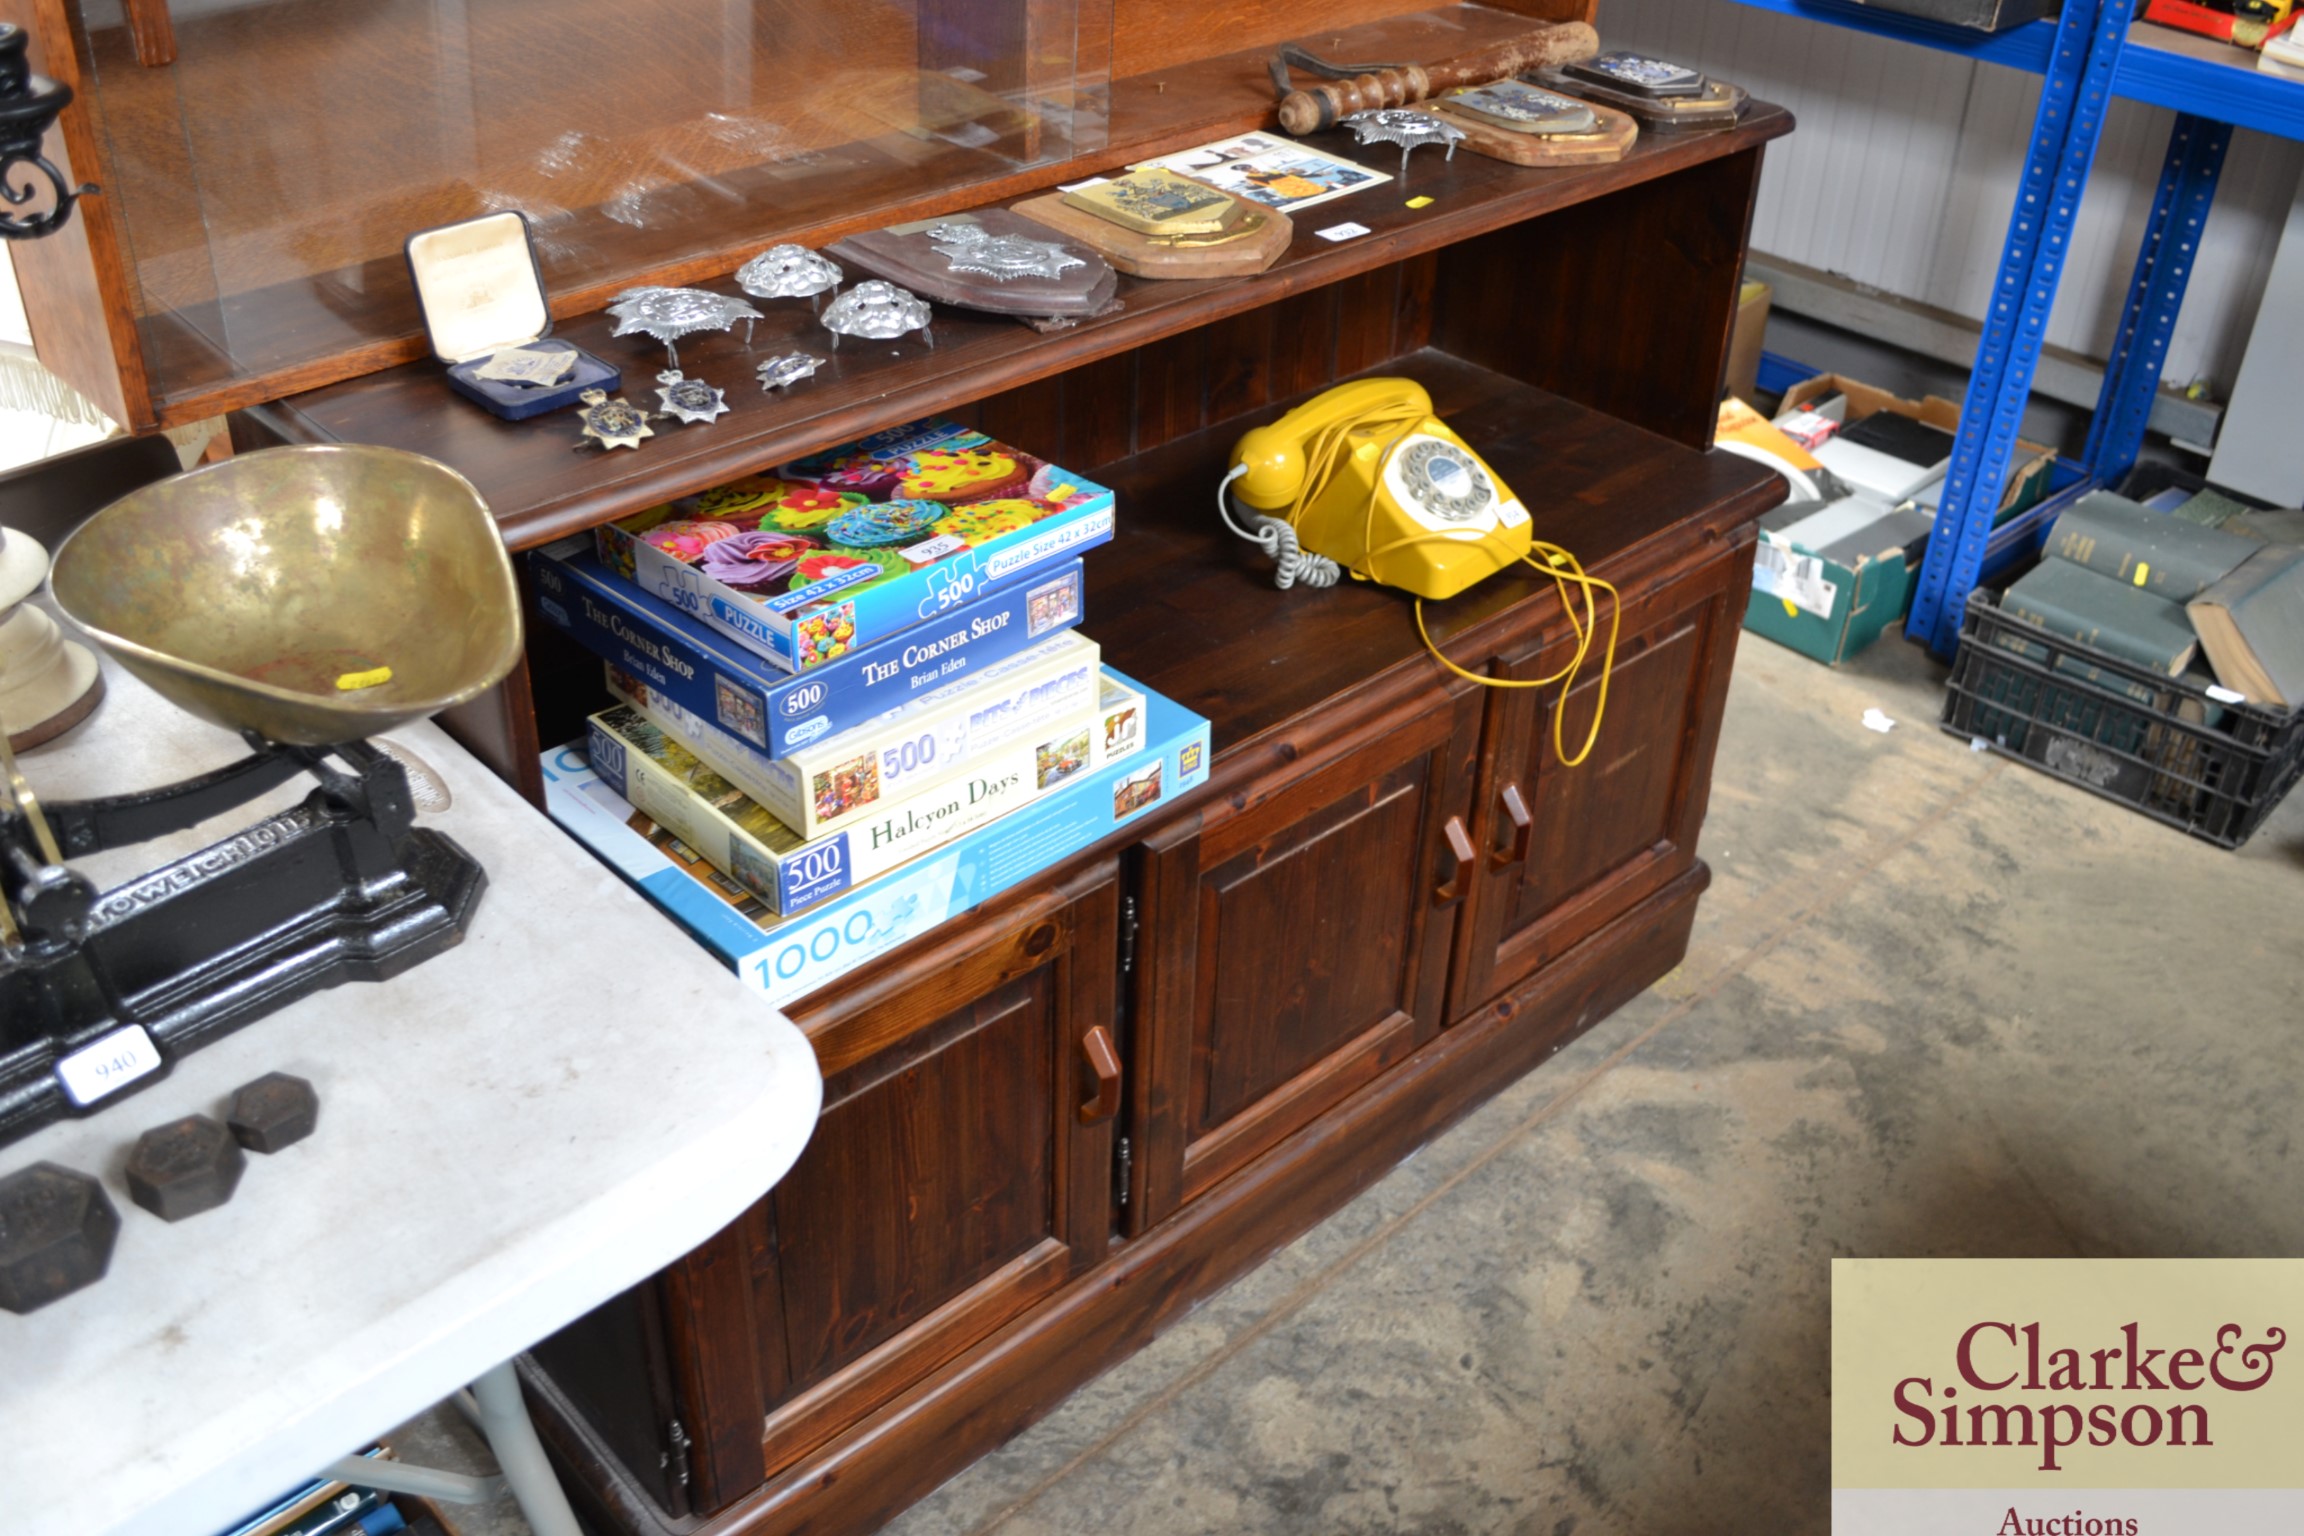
x,y
1007,1382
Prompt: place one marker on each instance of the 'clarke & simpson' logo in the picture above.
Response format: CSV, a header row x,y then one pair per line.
x,y
2091,1391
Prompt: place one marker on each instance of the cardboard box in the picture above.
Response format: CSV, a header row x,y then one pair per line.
x,y
787,958
645,761
901,753
778,711
1022,518
1830,602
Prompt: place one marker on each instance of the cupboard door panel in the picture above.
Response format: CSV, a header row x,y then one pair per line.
x,y
954,1179
1326,894
1297,939
1619,801
1563,850
920,1186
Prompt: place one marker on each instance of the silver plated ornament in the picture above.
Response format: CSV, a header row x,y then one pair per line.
x,y
790,272
786,369
612,423
972,248
878,311
690,401
1408,129
668,314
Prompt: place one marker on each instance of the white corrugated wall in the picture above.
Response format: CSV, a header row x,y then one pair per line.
x,y
1903,169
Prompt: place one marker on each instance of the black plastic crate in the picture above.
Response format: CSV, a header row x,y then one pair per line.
x,y
2171,750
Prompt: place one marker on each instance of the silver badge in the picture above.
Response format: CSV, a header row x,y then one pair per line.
x,y
671,313
787,369
1409,130
971,248
788,272
612,423
877,311
689,400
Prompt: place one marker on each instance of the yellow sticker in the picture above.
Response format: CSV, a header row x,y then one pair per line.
x,y
351,681
1419,202
2142,570
1791,609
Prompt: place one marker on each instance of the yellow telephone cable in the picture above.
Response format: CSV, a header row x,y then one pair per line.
x,y
1396,421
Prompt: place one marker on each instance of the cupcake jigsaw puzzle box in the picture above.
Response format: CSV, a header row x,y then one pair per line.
x,y
829,553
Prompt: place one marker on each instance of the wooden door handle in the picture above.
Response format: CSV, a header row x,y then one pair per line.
x,y
1104,1061
1460,845
1523,828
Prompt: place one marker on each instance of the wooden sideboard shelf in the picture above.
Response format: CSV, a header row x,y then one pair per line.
x,y
541,490
1188,608
1388,902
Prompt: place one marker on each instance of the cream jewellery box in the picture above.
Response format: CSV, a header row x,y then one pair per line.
x,y
482,295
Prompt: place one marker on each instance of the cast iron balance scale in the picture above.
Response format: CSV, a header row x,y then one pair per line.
x,y
306,599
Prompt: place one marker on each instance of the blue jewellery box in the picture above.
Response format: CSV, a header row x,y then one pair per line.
x,y
482,293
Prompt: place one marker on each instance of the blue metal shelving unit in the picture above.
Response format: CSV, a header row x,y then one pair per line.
x,y
2090,54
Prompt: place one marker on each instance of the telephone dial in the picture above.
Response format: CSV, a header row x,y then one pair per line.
x,y
1365,481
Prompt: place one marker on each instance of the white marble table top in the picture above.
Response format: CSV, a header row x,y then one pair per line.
x,y
510,1133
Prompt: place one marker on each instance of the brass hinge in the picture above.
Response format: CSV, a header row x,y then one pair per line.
x,y
675,1460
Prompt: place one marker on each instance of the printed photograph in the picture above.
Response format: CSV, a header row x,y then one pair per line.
x,y
1136,791
1053,606
1274,171
1059,760
742,712
845,786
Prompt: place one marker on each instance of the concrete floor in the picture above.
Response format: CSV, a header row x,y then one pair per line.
x,y
1937,1004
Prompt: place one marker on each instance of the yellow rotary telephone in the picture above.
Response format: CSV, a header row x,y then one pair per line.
x,y
1365,479
1368,477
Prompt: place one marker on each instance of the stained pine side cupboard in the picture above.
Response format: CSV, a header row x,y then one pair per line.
x,y
1055,1124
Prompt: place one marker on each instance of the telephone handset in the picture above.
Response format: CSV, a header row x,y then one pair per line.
x,y
1366,477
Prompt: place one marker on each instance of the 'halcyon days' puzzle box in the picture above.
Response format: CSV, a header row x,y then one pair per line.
x,y
842,778
833,552
663,777
776,711
787,958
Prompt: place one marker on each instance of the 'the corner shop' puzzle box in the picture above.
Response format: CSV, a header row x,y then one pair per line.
x,y
832,552
787,958
779,711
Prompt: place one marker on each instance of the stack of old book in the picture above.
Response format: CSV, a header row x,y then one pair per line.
x,y
852,697
2221,606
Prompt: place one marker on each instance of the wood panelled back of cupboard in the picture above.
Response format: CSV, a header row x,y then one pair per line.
x,y
1118,406
1623,303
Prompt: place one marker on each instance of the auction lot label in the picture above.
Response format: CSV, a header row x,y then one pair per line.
x,y
2067,1397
